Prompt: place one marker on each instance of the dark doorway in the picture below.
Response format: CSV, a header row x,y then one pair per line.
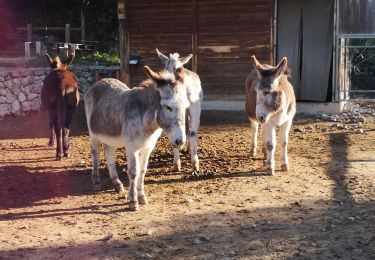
x,y
305,37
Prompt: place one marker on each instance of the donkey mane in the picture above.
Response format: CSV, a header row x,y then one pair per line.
x,y
166,76
288,71
174,55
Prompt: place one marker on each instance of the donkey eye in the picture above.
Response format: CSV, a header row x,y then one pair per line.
x,y
266,92
168,108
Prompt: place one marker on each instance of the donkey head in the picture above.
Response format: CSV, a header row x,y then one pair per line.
x,y
173,103
56,63
174,61
267,88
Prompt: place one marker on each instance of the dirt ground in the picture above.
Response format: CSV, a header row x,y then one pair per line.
x,y
324,207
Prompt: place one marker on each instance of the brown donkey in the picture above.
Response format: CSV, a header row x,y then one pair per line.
x,y
270,101
60,97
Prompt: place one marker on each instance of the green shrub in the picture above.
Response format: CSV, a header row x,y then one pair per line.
x,y
98,57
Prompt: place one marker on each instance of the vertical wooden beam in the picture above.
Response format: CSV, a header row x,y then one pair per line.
x,y
29,32
38,48
82,25
67,33
273,25
124,35
194,38
27,50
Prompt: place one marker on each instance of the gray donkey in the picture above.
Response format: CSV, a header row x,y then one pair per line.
x,y
118,116
195,98
270,101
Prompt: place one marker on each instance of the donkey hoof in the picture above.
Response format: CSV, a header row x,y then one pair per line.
x,y
97,186
196,167
134,206
177,167
67,155
271,171
120,189
58,157
50,143
285,167
143,200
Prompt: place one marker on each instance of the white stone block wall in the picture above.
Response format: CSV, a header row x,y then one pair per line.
x,y
20,87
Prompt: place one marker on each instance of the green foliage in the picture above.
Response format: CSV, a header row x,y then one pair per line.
x,y
110,57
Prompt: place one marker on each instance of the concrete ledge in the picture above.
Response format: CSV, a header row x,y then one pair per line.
x,y
302,107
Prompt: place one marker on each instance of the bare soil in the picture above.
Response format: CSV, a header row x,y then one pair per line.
x,y
324,207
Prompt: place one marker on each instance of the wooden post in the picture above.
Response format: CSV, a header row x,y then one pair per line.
x,y
29,32
97,76
124,41
27,50
38,48
73,48
117,74
194,38
82,25
67,33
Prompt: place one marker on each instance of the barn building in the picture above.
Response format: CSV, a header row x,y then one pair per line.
x,y
223,34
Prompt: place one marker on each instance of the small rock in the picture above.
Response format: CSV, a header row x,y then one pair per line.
x,y
253,225
106,238
323,129
361,119
150,232
197,241
351,218
309,127
221,201
340,126
299,129
189,200
147,256
359,131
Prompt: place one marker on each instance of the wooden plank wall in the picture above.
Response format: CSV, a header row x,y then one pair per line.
x,y
357,16
228,32
162,24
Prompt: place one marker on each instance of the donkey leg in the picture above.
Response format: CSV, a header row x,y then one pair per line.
x,y
253,137
51,128
194,114
66,145
133,174
111,164
270,140
143,162
57,128
176,159
95,152
264,144
284,136
68,119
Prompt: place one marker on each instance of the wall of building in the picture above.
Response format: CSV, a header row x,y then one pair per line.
x,y
221,34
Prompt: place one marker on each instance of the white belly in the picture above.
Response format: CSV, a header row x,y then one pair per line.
x,y
113,141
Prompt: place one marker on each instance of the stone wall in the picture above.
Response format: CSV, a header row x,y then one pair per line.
x,y
20,88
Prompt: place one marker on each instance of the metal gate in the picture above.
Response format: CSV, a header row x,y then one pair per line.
x,y
354,50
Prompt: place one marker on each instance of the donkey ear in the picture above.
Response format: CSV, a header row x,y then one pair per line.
x,y
281,67
179,74
186,59
69,60
164,59
256,63
49,59
153,75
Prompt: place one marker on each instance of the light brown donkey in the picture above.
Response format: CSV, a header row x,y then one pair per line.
x,y
270,101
